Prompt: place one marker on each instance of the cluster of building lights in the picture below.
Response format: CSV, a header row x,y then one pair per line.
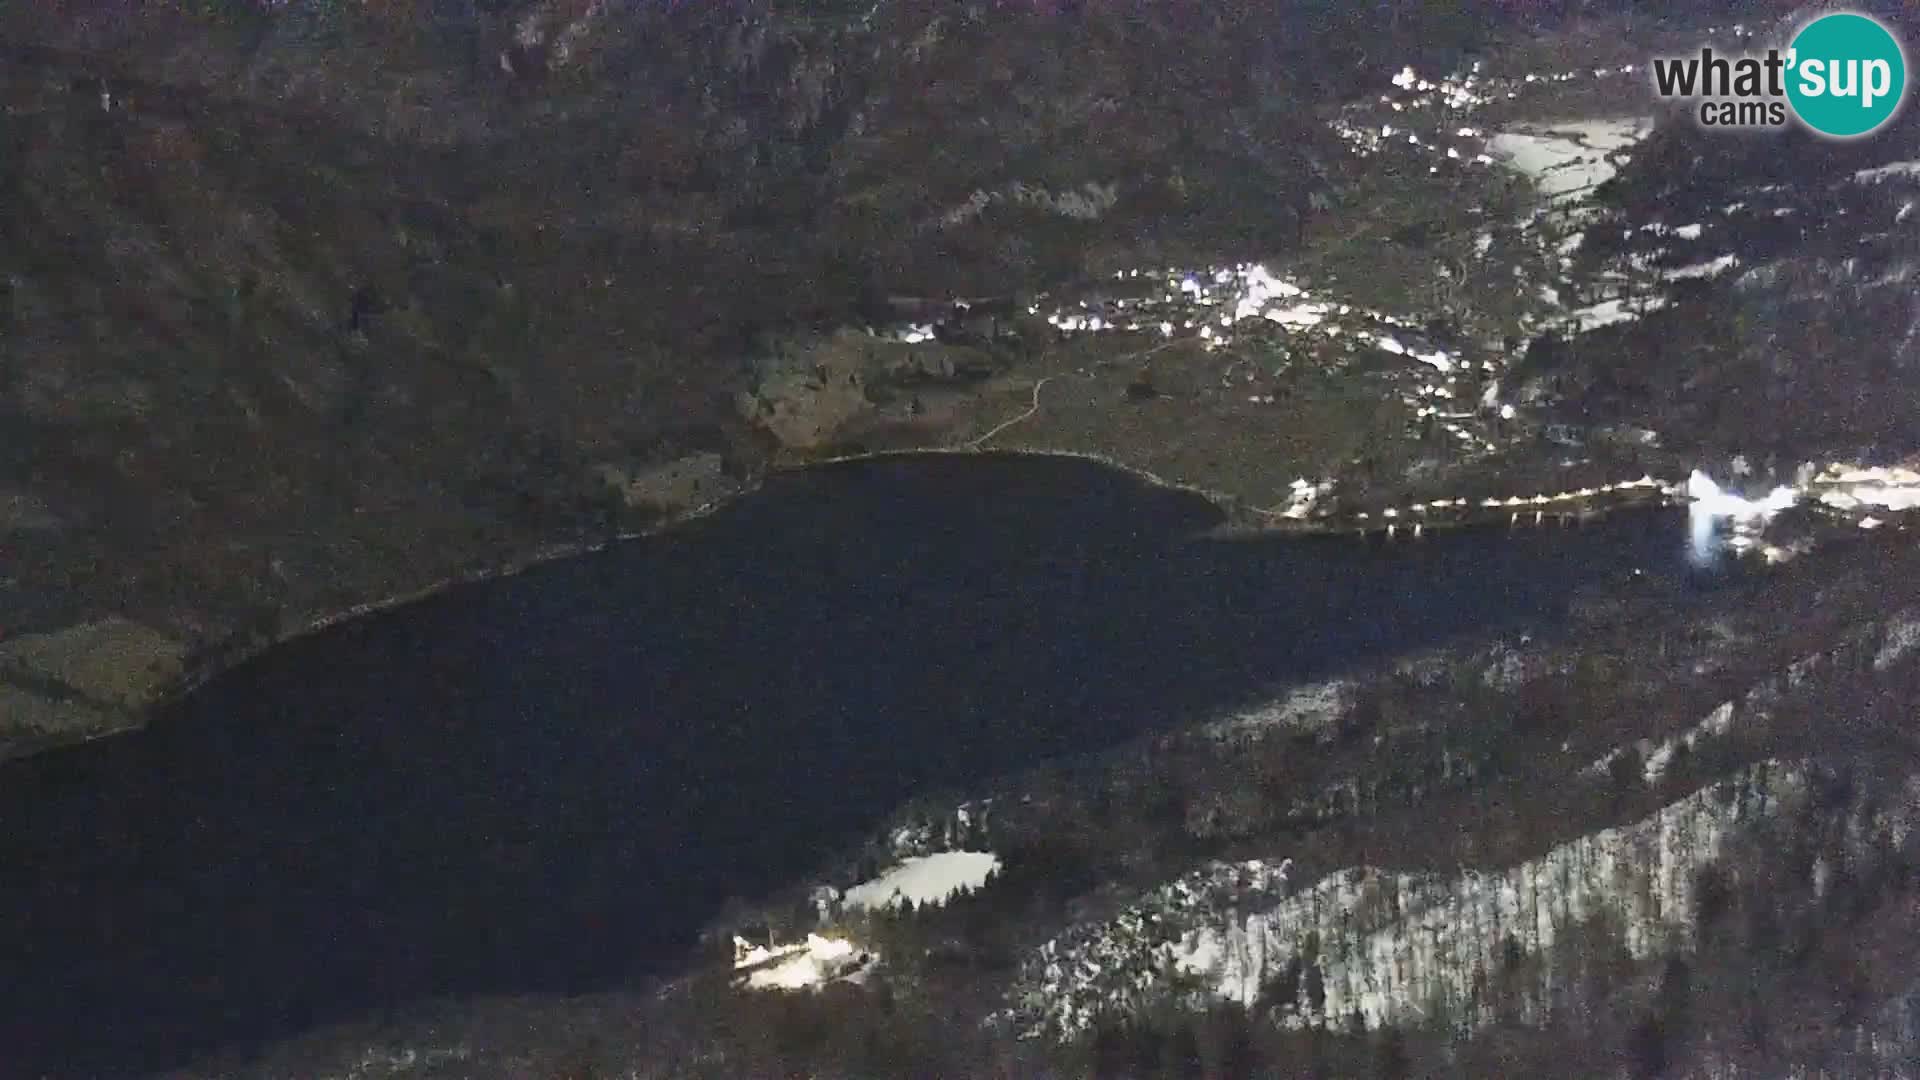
x,y
800,966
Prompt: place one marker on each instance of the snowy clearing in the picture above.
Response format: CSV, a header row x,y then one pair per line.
x,y
1569,160
925,879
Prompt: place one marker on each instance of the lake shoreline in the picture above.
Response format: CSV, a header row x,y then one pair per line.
x,y
1240,523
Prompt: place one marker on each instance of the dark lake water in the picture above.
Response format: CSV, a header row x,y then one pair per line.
x,y
545,783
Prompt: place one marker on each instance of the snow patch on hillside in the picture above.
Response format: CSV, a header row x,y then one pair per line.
x,y
1398,948
1570,160
924,879
1610,313
1709,269
1657,757
1887,172
1902,634
1313,707
1717,723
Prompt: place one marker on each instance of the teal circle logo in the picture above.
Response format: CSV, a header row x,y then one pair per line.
x,y
1846,75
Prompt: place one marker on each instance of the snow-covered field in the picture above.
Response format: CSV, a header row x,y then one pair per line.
x,y
924,879
1567,161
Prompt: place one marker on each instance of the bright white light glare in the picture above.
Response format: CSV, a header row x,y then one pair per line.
x,y
1708,496
820,959
1710,505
